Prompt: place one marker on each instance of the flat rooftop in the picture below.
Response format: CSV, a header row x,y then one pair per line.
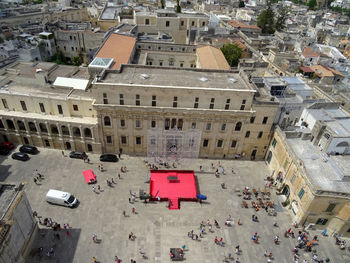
x,y
176,78
325,173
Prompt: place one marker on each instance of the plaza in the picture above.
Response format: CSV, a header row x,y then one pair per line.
x,y
157,229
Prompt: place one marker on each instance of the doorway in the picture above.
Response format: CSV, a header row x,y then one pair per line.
x,y
25,139
89,148
68,146
253,154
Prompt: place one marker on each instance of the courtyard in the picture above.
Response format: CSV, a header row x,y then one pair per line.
x,y
157,229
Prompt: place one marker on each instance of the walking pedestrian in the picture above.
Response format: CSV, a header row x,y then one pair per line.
x,y
119,176
94,259
124,213
99,188
35,180
113,181
200,168
67,233
239,221
62,153
94,189
88,160
133,210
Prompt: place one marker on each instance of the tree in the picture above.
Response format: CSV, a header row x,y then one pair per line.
x,y
312,4
178,7
241,4
77,61
162,2
232,53
266,21
281,19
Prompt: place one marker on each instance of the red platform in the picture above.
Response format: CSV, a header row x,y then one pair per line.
x,y
173,186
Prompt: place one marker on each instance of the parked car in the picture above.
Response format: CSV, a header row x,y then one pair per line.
x,y
77,155
20,156
8,145
4,150
108,158
28,149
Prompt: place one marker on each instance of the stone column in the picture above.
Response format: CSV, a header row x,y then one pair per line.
x,y
15,124
5,124
37,128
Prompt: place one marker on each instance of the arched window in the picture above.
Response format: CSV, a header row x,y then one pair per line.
x,y
21,125
238,126
32,126
43,127
76,131
54,129
87,132
107,121
65,130
10,124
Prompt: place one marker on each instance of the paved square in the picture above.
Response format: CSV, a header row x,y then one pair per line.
x,y
157,229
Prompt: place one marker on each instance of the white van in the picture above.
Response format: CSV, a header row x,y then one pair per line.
x,y
61,198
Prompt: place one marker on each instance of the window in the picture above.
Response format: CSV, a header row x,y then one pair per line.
x,y
238,126
293,178
154,101
109,139
138,140
233,144
330,207
75,107
182,23
72,48
147,21
107,121
137,100
123,139
59,108
42,108
153,124
171,62
121,99
181,65
265,120
242,107
252,119
247,134
105,100
70,37
223,126
24,106
211,106
196,101
205,143
167,124
244,101
322,221
138,124
227,106
203,23
260,134
122,123
192,23
285,164
4,102
193,125
301,193
208,127
274,142
167,23
175,102
219,144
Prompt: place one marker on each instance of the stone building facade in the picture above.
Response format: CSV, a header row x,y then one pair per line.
x,y
136,99
33,110
314,185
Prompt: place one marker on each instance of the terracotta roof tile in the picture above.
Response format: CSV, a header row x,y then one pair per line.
x,y
119,47
238,24
309,53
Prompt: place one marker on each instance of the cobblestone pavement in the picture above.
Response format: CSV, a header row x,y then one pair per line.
x,y
156,228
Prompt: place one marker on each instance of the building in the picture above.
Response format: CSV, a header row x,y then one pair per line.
x,y
142,110
314,185
17,223
48,105
182,27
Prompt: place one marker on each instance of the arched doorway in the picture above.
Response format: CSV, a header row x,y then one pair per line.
x,y
89,148
253,154
26,141
269,157
47,143
68,146
286,191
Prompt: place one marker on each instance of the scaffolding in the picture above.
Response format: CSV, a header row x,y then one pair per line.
x,y
174,144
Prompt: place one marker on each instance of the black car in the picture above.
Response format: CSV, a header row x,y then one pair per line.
x,y
4,150
28,149
78,155
20,156
108,158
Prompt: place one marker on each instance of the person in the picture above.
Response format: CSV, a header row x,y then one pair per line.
x,y
62,153
94,259
276,239
239,221
275,224
94,238
35,180
324,232
265,253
